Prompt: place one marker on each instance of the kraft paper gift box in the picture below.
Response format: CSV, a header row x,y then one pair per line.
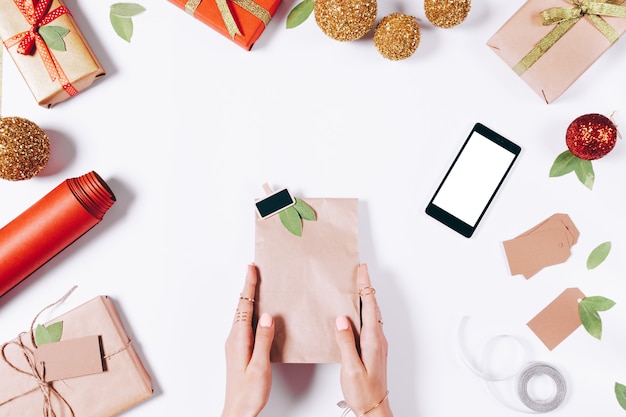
x,y
306,282
123,382
242,21
585,37
52,75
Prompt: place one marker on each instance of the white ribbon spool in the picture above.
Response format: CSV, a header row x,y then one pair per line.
x,y
525,373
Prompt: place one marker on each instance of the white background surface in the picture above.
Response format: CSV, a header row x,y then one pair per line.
x,y
187,126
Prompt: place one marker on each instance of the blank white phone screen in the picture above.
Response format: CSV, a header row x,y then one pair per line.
x,y
474,178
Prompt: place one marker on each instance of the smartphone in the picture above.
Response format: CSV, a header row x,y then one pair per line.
x,y
274,203
473,180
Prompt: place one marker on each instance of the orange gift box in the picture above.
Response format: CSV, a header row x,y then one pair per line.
x,y
551,43
242,21
53,75
122,382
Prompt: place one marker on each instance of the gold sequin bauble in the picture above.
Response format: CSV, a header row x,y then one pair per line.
x,y
345,20
24,149
591,136
397,36
446,13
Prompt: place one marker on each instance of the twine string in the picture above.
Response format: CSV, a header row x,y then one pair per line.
x,y
48,391
39,375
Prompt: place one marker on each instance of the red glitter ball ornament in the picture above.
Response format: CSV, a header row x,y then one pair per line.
x,y
591,136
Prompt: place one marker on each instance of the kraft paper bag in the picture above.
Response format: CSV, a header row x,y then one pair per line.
x,y
306,282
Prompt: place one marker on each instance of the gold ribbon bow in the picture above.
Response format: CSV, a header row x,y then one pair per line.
x,y
222,5
565,18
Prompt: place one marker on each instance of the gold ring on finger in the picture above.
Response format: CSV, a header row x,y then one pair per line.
x,y
244,316
366,291
241,297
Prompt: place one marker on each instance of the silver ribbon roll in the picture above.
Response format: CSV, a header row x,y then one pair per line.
x,y
524,374
539,405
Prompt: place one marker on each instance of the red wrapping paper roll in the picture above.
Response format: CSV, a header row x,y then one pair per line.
x,y
50,225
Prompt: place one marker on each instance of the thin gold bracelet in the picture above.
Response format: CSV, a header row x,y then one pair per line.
x,y
375,406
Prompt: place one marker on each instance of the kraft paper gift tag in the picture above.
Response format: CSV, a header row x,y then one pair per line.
x,y
546,244
70,358
306,282
559,319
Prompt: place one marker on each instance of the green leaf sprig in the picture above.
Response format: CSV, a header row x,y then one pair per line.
x,y
567,162
620,394
588,309
299,13
48,334
121,15
598,255
53,36
292,217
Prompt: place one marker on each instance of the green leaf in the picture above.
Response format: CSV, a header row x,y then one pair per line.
x,y
565,163
304,210
598,255
53,36
620,394
584,172
123,26
55,330
598,303
49,334
300,13
121,14
127,9
588,309
290,218
591,320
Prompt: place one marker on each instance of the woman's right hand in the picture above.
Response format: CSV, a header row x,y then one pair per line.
x,y
364,376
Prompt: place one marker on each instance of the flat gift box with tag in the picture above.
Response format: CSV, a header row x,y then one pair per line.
x,y
28,387
48,48
242,21
551,43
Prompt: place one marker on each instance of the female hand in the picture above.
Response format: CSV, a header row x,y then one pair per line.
x,y
248,370
364,377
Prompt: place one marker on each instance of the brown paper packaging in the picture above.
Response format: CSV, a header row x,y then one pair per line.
x,y
124,383
565,61
78,61
306,282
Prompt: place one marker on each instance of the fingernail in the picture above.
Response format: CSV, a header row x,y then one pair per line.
x,y
265,320
342,323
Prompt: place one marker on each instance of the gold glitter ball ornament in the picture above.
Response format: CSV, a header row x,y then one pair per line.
x,y
345,20
446,13
24,149
397,36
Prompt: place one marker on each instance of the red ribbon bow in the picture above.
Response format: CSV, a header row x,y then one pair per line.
x,y
36,14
